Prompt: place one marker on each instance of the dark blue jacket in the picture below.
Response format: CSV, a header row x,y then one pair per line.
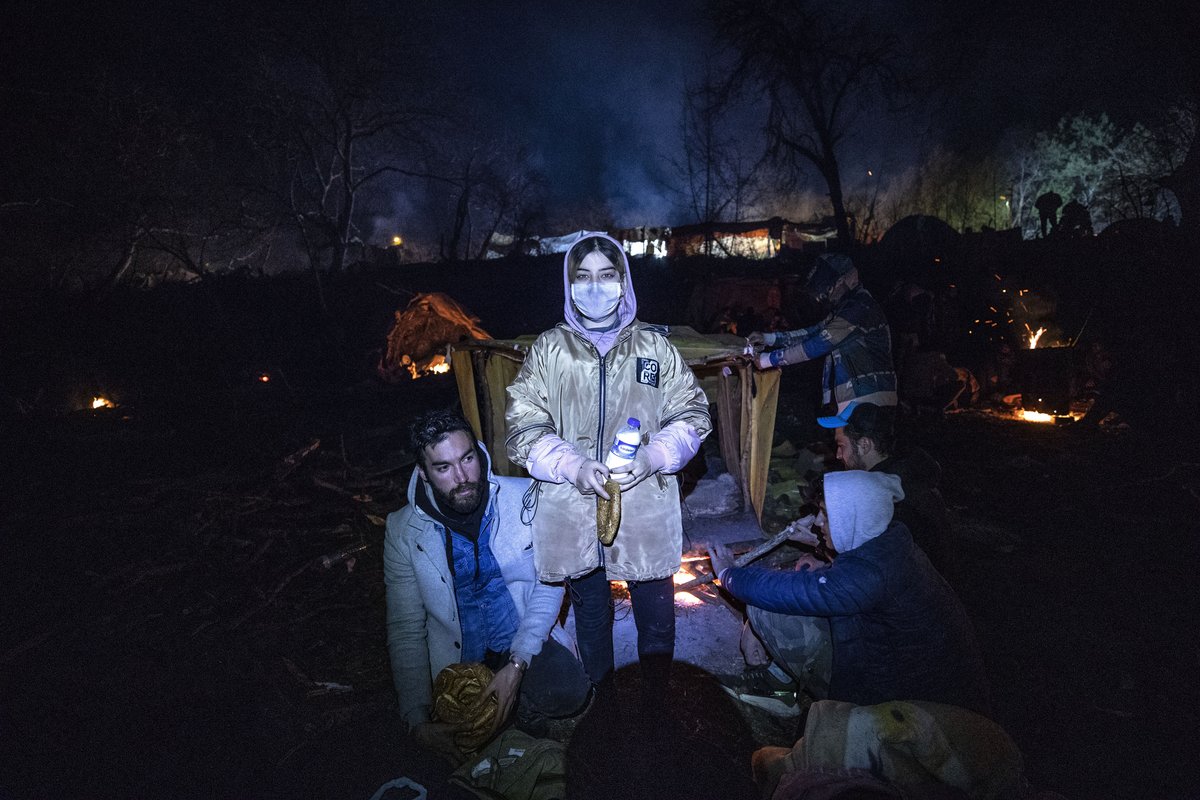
x,y
899,631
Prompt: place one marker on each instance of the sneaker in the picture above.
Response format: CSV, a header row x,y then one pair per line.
x,y
759,687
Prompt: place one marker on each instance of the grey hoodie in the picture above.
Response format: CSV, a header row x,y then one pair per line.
x,y
859,506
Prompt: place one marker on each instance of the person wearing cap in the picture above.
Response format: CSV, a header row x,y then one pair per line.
x,y
853,338
865,436
579,383
898,630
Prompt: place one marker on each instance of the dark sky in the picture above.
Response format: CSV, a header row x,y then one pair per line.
x,y
595,88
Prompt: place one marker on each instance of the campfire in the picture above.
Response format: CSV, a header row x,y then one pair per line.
x,y
683,576
1047,381
99,401
417,344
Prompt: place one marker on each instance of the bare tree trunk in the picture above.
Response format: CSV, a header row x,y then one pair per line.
x,y
126,263
461,211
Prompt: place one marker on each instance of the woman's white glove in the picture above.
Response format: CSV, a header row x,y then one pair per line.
x,y
634,472
591,477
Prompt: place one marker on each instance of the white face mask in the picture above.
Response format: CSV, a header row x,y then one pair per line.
x,y
596,300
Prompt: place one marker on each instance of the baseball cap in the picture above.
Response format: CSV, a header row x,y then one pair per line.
x,y
866,417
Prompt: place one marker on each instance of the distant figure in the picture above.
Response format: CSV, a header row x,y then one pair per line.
x,y
930,382
725,323
1047,206
749,320
1076,220
999,373
909,310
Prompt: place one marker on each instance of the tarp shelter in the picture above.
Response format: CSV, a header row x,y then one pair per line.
x,y
745,399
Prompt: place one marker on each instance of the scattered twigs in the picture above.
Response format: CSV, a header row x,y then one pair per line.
x,y
332,487
270,598
403,463
288,465
345,554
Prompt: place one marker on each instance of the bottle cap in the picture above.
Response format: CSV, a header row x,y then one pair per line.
x,y
634,422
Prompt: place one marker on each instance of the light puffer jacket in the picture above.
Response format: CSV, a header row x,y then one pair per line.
x,y
567,390
423,629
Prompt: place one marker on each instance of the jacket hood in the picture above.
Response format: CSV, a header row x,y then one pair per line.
x,y
859,506
626,308
830,270
417,483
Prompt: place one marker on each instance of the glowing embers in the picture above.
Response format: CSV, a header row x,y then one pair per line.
x,y
685,598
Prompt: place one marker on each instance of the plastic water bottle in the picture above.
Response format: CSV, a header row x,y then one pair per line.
x,y
625,445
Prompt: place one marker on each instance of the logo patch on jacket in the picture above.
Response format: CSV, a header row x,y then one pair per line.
x,y
647,372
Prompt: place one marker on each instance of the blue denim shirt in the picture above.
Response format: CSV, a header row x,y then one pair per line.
x,y
485,608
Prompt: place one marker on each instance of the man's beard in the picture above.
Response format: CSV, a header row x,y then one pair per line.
x,y
463,499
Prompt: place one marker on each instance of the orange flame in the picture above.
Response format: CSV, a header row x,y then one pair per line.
x,y
685,598
102,402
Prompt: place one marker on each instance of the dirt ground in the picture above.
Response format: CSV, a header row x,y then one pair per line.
x,y
169,628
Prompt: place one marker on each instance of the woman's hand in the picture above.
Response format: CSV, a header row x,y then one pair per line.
x,y
634,472
591,477
756,341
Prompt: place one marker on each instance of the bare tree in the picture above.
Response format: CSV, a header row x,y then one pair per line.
x,y
130,183
343,106
819,65
720,181
480,183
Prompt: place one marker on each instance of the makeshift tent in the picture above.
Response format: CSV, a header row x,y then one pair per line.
x,y
417,342
745,399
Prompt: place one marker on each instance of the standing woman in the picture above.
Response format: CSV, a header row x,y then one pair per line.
x,y
580,382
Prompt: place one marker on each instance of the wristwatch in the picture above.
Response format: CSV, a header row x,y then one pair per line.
x,y
519,664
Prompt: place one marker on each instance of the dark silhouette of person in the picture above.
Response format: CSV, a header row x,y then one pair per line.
x,y
1076,220
1047,206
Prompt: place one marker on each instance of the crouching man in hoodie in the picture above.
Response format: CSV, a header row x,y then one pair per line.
x,y
461,587
898,631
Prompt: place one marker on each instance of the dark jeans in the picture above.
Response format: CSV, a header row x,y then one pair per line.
x,y
554,685
653,614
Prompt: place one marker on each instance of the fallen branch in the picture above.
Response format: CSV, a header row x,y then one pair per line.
x,y
289,464
345,554
800,530
331,487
